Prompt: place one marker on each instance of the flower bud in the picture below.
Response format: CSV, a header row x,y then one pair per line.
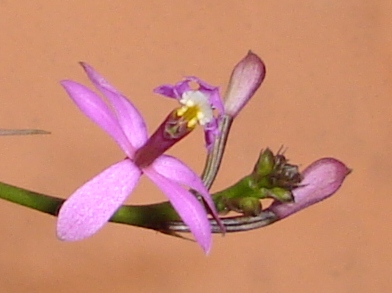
x,y
245,79
320,180
274,171
265,163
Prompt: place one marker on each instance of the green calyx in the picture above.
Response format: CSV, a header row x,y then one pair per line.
x,y
272,177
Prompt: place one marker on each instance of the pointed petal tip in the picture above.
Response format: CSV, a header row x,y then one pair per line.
x,y
88,69
165,90
256,57
97,79
206,249
205,243
84,65
66,83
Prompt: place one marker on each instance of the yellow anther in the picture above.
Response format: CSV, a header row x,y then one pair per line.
x,y
195,109
181,111
192,123
188,113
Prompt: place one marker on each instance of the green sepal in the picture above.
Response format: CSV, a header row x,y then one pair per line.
x,y
248,206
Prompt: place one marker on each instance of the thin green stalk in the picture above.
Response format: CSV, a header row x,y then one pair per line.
x,y
149,216
160,217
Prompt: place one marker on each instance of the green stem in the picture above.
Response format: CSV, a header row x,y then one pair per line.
x,y
161,216
152,216
40,202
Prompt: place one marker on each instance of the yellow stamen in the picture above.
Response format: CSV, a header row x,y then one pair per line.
x,y
190,114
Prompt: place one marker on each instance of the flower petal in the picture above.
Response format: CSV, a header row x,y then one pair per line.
x,y
209,91
174,170
212,92
211,131
171,91
92,205
321,179
128,116
187,206
94,108
165,90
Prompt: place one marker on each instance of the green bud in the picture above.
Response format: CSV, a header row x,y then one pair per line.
x,y
265,163
274,171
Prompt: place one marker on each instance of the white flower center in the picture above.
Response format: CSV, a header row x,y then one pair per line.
x,y
197,103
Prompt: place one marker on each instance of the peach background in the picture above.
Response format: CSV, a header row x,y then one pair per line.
x,y
327,93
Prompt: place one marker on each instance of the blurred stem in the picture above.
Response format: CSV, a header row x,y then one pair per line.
x,y
22,131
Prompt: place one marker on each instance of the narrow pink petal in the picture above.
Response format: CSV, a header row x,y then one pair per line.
x,y
321,179
92,205
215,100
128,116
211,131
187,206
173,91
176,171
94,108
167,91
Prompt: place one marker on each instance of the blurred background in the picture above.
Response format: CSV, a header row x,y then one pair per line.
x,y
327,93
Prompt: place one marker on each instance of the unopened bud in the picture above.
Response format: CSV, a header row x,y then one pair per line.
x,y
245,79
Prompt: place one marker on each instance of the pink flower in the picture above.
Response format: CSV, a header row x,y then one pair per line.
x,y
93,204
186,96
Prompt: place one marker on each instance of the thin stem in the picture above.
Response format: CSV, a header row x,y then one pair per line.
x,y
232,224
22,131
160,217
215,156
152,216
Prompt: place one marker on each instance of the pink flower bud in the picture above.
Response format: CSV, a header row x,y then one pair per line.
x,y
321,180
245,79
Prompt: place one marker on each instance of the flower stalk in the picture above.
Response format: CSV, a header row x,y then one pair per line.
x,y
162,217
245,79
